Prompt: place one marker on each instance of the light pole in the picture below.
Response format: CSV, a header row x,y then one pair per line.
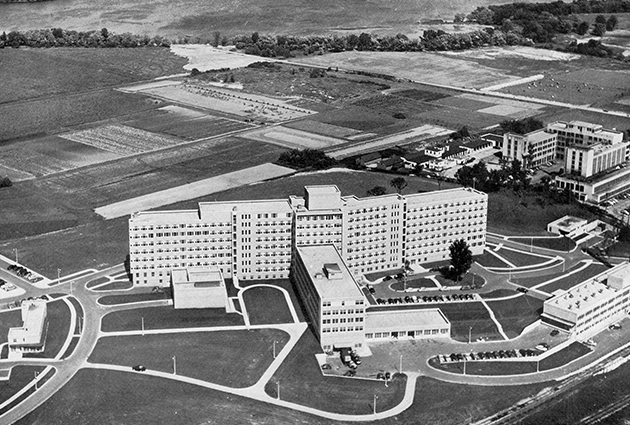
x,y
278,389
274,349
400,368
464,365
374,404
174,365
470,334
16,255
71,285
58,276
531,245
142,326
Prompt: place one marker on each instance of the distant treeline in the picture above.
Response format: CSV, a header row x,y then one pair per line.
x,y
286,46
58,37
543,21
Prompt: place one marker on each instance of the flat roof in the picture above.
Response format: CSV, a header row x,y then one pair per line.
x,y
33,315
316,259
441,196
589,293
403,320
194,275
569,222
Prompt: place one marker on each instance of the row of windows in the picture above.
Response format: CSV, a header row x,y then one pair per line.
x,y
343,329
398,334
342,320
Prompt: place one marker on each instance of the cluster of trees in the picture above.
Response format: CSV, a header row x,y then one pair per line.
x,y
58,37
6,182
287,46
592,48
306,158
523,126
510,175
542,21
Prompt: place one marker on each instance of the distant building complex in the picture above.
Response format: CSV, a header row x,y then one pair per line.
x,y
593,157
257,239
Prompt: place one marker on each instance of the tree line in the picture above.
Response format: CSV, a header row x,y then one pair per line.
x,y
58,37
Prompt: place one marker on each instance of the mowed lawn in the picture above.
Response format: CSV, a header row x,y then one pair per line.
x,y
167,317
266,305
231,358
20,377
574,279
558,244
301,381
9,319
520,258
516,313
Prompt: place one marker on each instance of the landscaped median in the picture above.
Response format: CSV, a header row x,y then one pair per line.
x,y
235,358
521,361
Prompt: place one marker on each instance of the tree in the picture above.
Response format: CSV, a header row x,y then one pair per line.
x,y
611,23
6,182
461,258
582,28
377,191
216,38
398,183
599,30
459,17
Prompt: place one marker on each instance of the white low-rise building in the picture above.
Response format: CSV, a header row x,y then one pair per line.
x,y
30,337
198,287
591,306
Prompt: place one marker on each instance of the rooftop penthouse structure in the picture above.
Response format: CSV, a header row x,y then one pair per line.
x,y
591,306
257,239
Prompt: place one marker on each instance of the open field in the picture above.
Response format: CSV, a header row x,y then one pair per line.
x,y
9,319
258,302
232,358
488,259
417,66
322,128
574,279
31,73
520,258
168,318
560,243
193,190
529,53
133,298
607,121
20,377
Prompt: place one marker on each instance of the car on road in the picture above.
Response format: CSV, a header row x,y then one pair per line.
x,y
614,326
139,368
521,289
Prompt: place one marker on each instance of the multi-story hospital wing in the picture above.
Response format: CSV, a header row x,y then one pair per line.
x,y
257,239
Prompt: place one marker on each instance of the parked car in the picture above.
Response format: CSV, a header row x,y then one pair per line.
x,y
326,366
139,368
523,290
614,326
554,332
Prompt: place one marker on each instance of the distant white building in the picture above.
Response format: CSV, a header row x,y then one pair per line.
x,y
581,134
30,337
591,306
256,239
532,149
198,287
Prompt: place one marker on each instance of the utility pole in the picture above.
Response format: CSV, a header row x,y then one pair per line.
x,y
278,389
16,255
470,334
374,404
58,276
274,349
174,365
400,368
142,326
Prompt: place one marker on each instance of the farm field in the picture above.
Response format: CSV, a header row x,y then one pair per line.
x,y
32,73
205,96
291,138
323,129
422,67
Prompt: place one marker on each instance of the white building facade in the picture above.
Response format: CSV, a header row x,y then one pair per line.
x,y
256,239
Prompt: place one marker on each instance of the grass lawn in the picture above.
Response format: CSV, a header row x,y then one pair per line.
x,y
435,402
95,282
134,298
558,244
470,279
117,284
489,260
79,311
71,347
286,285
57,331
521,259
513,214
231,358
499,293
167,317
20,377
9,319
422,282
302,382
258,302
570,281
516,313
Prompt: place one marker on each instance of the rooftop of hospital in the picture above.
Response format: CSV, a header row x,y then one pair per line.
x,y
328,272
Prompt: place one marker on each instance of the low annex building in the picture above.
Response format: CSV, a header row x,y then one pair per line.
x,y
591,306
341,315
256,239
198,287
31,336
